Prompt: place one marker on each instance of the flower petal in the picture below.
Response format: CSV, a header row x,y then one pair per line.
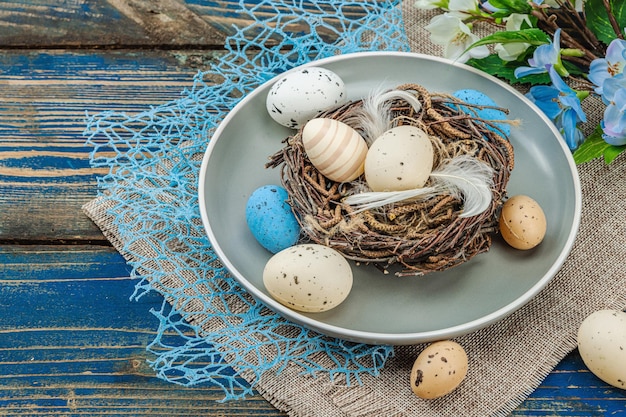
x,y
510,51
524,71
573,136
546,98
463,5
443,28
558,82
611,86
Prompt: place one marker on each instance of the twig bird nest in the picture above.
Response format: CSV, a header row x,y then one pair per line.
x,y
422,233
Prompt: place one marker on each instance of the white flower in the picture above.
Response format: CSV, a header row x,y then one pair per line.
x,y
515,21
455,36
578,4
510,51
431,4
463,5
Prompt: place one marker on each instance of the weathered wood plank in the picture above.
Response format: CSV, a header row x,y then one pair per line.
x,y
571,390
162,24
225,16
45,176
82,23
71,342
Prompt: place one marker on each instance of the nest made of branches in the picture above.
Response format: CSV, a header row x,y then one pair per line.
x,y
418,236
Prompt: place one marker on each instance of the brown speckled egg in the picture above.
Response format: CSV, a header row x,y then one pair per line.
x,y
439,369
522,222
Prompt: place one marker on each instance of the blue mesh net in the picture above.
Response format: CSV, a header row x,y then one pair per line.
x,y
210,330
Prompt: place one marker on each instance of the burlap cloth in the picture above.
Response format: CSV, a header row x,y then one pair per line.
x,y
508,360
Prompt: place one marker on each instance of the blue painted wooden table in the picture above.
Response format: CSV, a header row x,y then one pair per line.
x,y
71,341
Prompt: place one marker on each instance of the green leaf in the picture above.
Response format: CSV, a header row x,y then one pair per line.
x,y
531,36
594,147
513,6
495,66
573,69
613,152
598,19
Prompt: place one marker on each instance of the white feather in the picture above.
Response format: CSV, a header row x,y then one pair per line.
x,y
463,177
468,179
373,199
375,115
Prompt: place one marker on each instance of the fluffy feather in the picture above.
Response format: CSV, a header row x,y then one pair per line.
x,y
374,199
467,179
375,115
464,177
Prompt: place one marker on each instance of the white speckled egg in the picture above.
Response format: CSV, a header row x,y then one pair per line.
x,y
400,159
439,369
522,222
602,345
308,277
302,94
334,148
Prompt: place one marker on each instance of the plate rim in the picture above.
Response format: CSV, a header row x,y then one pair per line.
x,y
379,337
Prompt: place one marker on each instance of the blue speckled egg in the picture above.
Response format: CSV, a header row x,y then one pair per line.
x,y
476,97
270,218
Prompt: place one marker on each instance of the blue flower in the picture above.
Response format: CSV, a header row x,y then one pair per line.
x,y
611,85
562,105
612,64
614,122
567,124
544,56
547,99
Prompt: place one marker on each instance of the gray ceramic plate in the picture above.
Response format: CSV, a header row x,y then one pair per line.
x,y
384,309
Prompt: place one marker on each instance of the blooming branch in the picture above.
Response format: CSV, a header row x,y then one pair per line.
x,y
563,50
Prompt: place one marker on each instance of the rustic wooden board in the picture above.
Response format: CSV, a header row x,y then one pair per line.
x,y
45,176
72,343
140,23
571,390
88,23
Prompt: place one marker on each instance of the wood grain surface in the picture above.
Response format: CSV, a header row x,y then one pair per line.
x,y
72,343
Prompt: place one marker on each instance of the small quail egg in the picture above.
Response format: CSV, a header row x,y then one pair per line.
x,y
439,369
522,222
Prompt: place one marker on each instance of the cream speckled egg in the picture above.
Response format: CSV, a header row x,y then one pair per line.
x,y
400,159
602,345
334,148
302,94
308,277
522,222
439,369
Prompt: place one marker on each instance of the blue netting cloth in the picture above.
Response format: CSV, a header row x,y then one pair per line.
x,y
211,330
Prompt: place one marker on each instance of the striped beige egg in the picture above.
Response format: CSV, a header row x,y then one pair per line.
x,y
334,148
